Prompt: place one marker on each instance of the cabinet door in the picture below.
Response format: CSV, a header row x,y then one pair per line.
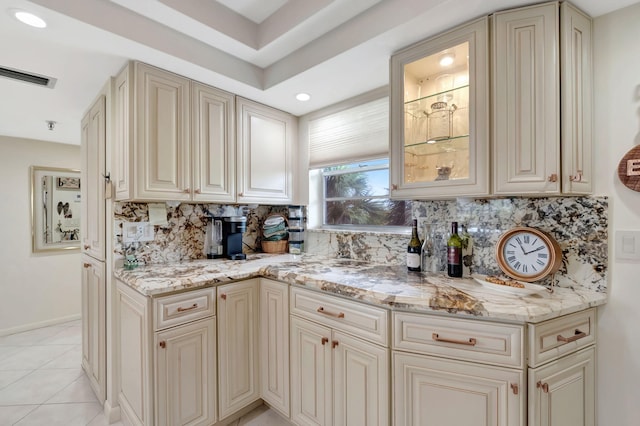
x,y
134,378
526,127
265,153
361,382
162,139
576,98
213,144
562,393
92,218
274,344
238,349
439,115
311,374
94,324
186,374
123,137
437,392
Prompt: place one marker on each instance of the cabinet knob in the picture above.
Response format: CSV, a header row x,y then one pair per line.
x,y
394,186
544,386
240,194
553,178
186,190
577,177
197,191
223,296
86,265
86,247
163,344
324,341
334,343
514,388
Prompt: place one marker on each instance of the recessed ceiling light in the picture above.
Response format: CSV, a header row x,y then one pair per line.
x,y
447,59
303,97
29,19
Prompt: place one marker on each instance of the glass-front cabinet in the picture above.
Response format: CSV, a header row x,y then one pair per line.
x,y
439,115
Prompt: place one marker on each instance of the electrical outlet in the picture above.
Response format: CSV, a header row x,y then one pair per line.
x,y
137,231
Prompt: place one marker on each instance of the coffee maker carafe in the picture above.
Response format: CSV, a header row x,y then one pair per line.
x,y
213,247
232,229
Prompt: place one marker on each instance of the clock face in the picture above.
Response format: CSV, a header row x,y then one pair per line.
x,y
528,254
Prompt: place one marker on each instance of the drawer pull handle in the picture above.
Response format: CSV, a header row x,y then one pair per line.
x,y
331,314
163,344
86,265
544,386
470,342
514,388
181,309
578,335
334,343
223,296
324,340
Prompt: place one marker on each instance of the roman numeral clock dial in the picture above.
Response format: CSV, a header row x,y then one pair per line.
x,y
528,254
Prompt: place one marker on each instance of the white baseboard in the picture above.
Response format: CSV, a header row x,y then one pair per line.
x,y
111,413
40,324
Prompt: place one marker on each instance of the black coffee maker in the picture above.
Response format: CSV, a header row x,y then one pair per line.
x,y
232,229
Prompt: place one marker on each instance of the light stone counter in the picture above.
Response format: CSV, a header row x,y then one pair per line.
x,y
387,286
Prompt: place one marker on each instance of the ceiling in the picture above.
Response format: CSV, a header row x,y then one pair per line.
x,y
265,50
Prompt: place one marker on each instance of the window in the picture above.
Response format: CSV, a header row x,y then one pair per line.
x,y
357,195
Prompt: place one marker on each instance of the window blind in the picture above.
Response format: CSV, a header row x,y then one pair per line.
x,y
353,134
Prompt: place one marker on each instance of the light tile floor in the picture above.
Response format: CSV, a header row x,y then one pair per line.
x,y
42,382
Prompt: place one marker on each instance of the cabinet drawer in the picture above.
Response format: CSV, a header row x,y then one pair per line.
x,y
364,321
477,341
559,336
182,308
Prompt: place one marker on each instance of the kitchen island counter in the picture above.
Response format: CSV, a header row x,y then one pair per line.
x,y
389,286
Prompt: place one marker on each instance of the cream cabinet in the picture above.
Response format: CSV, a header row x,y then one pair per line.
x,y
238,345
336,378
562,393
174,138
185,374
94,325
440,392
274,344
92,232
266,149
541,54
166,357
440,115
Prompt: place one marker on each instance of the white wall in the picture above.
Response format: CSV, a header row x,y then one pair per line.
x,y
35,289
617,130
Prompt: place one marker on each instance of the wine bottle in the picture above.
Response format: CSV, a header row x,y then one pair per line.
x,y
454,252
414,249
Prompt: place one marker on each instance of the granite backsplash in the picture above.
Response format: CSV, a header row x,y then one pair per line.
x,y
580,224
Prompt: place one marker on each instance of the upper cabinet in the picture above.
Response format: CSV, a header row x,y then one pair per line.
x,y
174,138
540,110
542,101
265,153
439,115
92,186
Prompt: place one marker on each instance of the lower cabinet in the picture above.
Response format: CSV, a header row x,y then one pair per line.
x,y
238,354
337,379
562,393
94,327
274,344
186,374
430,391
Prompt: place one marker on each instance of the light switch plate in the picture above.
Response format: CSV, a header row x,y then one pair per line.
x,y
628,245
136,231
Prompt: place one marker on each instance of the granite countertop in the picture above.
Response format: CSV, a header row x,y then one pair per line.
x,y
383,285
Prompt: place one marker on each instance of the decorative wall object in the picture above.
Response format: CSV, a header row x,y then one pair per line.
x,y
629,169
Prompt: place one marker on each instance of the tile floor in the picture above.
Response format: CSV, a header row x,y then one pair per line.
x,y
42,382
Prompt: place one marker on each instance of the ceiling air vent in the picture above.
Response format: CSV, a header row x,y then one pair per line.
x,y
39,80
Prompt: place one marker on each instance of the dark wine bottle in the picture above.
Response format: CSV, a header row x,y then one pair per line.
x,y
413,249
454,252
